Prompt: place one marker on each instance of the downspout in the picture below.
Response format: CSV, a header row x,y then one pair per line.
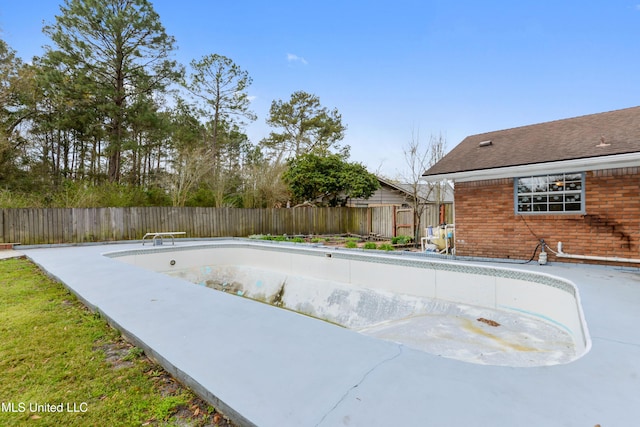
x,y
561,254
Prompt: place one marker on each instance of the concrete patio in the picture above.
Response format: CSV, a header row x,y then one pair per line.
x,y
269,367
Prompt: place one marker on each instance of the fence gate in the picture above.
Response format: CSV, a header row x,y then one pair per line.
x,y
403,222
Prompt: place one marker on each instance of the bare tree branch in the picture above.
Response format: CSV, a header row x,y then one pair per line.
x,y
418,158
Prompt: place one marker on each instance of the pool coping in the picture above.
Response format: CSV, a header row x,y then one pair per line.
x,y
361,255
278,368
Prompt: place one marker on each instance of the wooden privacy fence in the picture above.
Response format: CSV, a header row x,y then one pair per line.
x,y
395,221
76,225
381,220
431,215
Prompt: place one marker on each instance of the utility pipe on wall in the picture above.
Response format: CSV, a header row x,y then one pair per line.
x,y
561,254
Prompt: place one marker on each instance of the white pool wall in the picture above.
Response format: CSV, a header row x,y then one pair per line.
x,y
544,296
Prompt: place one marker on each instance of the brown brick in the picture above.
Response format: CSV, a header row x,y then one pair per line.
x,y
488,226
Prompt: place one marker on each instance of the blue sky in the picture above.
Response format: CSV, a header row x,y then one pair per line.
x,y
393,67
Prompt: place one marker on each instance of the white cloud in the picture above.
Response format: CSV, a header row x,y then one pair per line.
x,y
295,58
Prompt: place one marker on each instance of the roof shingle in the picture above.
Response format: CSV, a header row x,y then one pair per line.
x,y
603,134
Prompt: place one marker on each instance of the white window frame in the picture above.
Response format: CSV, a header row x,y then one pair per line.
x,y
549,194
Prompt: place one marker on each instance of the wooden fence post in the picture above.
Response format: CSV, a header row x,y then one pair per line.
x,y
2,232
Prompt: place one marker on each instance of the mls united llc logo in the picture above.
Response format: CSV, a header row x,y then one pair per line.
x,y
20,407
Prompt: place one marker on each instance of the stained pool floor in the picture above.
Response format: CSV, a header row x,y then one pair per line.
x,y
270,367
479,335
462,332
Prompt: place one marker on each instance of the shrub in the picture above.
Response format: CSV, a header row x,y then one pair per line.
x,y
385,247
79,194
401,240
351,244
10,199
370,245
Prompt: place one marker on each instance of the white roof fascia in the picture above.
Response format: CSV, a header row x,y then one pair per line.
x,y
568,166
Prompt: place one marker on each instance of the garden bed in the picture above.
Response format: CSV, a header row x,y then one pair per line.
x,y
350,241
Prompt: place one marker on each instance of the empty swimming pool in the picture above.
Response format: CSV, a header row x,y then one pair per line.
x,y
474,313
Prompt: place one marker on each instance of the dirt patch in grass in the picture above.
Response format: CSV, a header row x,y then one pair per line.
x,y
193,412
116,353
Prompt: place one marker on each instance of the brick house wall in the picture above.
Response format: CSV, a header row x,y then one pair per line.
x,y
487,226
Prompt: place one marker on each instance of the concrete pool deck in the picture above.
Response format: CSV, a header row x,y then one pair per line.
x,y
269,367
10,253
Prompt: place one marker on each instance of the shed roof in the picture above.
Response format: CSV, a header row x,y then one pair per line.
x,y
592,136
425,191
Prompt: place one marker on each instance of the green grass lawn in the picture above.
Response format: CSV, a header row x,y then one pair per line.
x,y
57,355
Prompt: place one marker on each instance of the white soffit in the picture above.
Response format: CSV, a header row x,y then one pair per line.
x,y
574,165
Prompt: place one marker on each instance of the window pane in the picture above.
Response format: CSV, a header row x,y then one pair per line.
x,y
540,208
574,186
573,197
556,182
573,182
540,198
524,185
556,207
540,184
